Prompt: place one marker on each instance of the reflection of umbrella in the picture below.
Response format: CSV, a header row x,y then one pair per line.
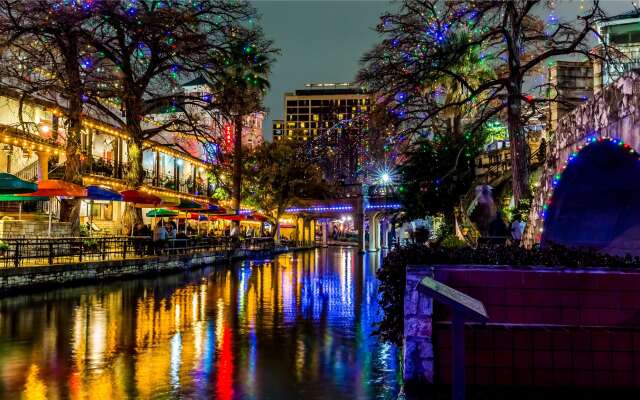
x,y
162,212
140,199
11,184
99,193
54,187
20,199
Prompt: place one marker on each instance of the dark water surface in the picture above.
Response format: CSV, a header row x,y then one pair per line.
x,y
299,326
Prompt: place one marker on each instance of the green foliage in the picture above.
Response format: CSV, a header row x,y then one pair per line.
x,y
4,246
453,242
90,244
278,174
392,274
436,173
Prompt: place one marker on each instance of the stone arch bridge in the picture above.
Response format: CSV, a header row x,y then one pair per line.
x,y
371,212
589,191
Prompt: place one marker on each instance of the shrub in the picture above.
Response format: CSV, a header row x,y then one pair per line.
x,y
392,273
4,246
452,242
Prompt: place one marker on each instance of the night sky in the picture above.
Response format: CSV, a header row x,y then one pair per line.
x,y
320,41
323,41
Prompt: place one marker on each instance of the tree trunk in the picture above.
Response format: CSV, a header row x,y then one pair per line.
x,y
135,178
517,139
276,231
518,143
70,208
237,167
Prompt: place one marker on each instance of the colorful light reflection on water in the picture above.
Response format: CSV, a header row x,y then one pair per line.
x,y
299,326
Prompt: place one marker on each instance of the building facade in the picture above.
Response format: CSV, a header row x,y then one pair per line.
x,y
622,32
331,121
312,111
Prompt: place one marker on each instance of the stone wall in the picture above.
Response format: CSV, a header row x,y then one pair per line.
x,y
12,279
418,311
547,327
33,229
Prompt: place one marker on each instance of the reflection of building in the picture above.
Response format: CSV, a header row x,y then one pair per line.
x,y
572,84
312,111
622,32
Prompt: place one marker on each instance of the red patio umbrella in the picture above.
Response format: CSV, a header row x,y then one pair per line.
x,y
140,199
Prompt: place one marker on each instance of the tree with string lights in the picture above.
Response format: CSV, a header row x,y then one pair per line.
x,y
44,56
152,47
423,69
241,87
279,174
137,53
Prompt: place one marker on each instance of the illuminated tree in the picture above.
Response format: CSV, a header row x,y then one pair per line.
x,y
242,86
429,42
278,175
152,47
44,56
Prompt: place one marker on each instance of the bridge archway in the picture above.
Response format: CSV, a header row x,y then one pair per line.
x,y
613,113
595,199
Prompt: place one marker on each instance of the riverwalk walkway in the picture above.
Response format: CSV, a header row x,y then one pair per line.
x,y
36,263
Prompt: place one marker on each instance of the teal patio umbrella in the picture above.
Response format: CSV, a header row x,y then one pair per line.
x,y
11,184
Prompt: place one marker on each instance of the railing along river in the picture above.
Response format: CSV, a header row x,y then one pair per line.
x,y
22,252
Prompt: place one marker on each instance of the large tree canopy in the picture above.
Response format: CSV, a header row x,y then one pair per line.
x,y
472,60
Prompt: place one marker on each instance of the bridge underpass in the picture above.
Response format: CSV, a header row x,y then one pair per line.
x,y
371,219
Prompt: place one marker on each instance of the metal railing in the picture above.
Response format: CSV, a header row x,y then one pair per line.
x,y
22,252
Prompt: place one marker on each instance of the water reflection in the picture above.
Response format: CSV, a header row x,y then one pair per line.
x,y
299,326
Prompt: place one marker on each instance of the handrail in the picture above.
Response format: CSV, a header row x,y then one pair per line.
x,y
29,252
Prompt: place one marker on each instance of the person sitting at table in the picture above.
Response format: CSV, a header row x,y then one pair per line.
x,y
171,231
160,236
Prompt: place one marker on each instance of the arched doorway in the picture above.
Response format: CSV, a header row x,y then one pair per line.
x,y
596,202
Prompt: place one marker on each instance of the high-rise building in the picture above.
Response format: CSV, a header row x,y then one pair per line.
x,y
572,83
331,120
310,112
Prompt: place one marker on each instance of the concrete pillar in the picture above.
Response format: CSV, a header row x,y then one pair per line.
x,y
358,221
384,232
312,231
325,234
43,165
373,233
300,229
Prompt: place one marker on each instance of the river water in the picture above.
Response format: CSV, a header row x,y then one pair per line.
x,y
299,326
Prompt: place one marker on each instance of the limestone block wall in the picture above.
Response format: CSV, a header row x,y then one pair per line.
x,y
33,229
12,279
418,313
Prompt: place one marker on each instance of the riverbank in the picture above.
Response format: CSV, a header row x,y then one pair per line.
x,y
43,277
